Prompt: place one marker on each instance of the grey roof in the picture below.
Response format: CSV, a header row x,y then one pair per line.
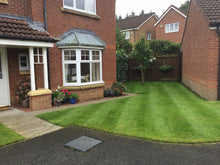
x,y
80,37
211,9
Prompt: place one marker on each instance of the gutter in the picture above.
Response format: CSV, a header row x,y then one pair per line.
x,y
218,97
48,56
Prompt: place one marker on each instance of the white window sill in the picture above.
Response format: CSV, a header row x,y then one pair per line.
x,y
84,86
172,32
80,13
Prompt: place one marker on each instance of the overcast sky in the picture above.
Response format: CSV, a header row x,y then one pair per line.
x,y
158,6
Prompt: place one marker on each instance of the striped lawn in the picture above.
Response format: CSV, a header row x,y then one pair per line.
x,y
166,112
8,136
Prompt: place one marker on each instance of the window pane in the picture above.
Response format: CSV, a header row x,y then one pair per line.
x,y
84,55
90,5
23,58
0,67
68,3
70,73
85,72
176,26
95,55
80,4
96,72
171,27
69,55
166,28
23,64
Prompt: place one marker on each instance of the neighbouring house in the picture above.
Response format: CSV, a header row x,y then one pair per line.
x,y
138,26
58,43
170,26
200,45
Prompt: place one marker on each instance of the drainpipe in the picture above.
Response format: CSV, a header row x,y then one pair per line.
x,y
180,65
46,28
218,32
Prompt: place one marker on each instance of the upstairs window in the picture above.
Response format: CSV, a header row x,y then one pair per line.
x,y
88,6
148,35
173,27
127,35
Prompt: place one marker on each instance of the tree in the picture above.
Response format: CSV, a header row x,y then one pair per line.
x,y
142,12
185,6
122,43
144,56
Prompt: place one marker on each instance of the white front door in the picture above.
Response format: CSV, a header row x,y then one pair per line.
x,y
4,83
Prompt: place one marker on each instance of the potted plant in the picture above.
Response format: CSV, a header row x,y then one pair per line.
x,y
57,97
66,95
72,98
22,92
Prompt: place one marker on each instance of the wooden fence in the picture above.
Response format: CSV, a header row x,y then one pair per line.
x,y
153,73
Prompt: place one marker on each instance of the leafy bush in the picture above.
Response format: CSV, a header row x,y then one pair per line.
x,y
117,91
122,66
23,89
58,96
73,96
119,85
164,47
165,68
109,93
122,43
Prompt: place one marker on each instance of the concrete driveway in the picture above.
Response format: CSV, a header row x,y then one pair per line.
x,y
49,149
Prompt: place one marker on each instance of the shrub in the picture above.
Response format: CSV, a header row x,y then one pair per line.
x,y
165,68
117,91
122,66
58,96
23,89
73,96
109,93
164,47
66,93
119,85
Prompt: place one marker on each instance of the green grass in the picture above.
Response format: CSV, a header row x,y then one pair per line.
x,y
8,136
166,112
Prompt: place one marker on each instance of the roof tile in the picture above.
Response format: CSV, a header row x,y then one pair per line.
x,y
133,22
19,29
211,9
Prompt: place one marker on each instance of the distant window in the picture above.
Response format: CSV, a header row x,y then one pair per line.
x,y
148,35
24,62
88,6
127,35
173,27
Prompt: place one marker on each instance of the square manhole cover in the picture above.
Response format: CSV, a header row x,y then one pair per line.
x,y
83,143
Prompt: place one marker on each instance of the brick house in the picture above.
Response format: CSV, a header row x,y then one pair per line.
x,y
138,26
200,64
170,26
58,43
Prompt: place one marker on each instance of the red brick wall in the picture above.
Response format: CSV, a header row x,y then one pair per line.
x,y
40,102
60,22
147,27
17,7
200,55
171,17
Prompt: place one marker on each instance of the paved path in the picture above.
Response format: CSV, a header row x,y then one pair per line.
x,y
49,149
26,124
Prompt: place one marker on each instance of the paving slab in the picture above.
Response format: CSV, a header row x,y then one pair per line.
x,y
49,149
26,124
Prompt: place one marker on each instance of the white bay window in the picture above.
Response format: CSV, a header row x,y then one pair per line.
x,y
82,67
88,6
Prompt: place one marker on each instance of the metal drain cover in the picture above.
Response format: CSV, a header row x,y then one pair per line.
x,y
83,143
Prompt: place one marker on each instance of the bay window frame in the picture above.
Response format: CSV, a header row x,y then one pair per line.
x,y
80,10
78,63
